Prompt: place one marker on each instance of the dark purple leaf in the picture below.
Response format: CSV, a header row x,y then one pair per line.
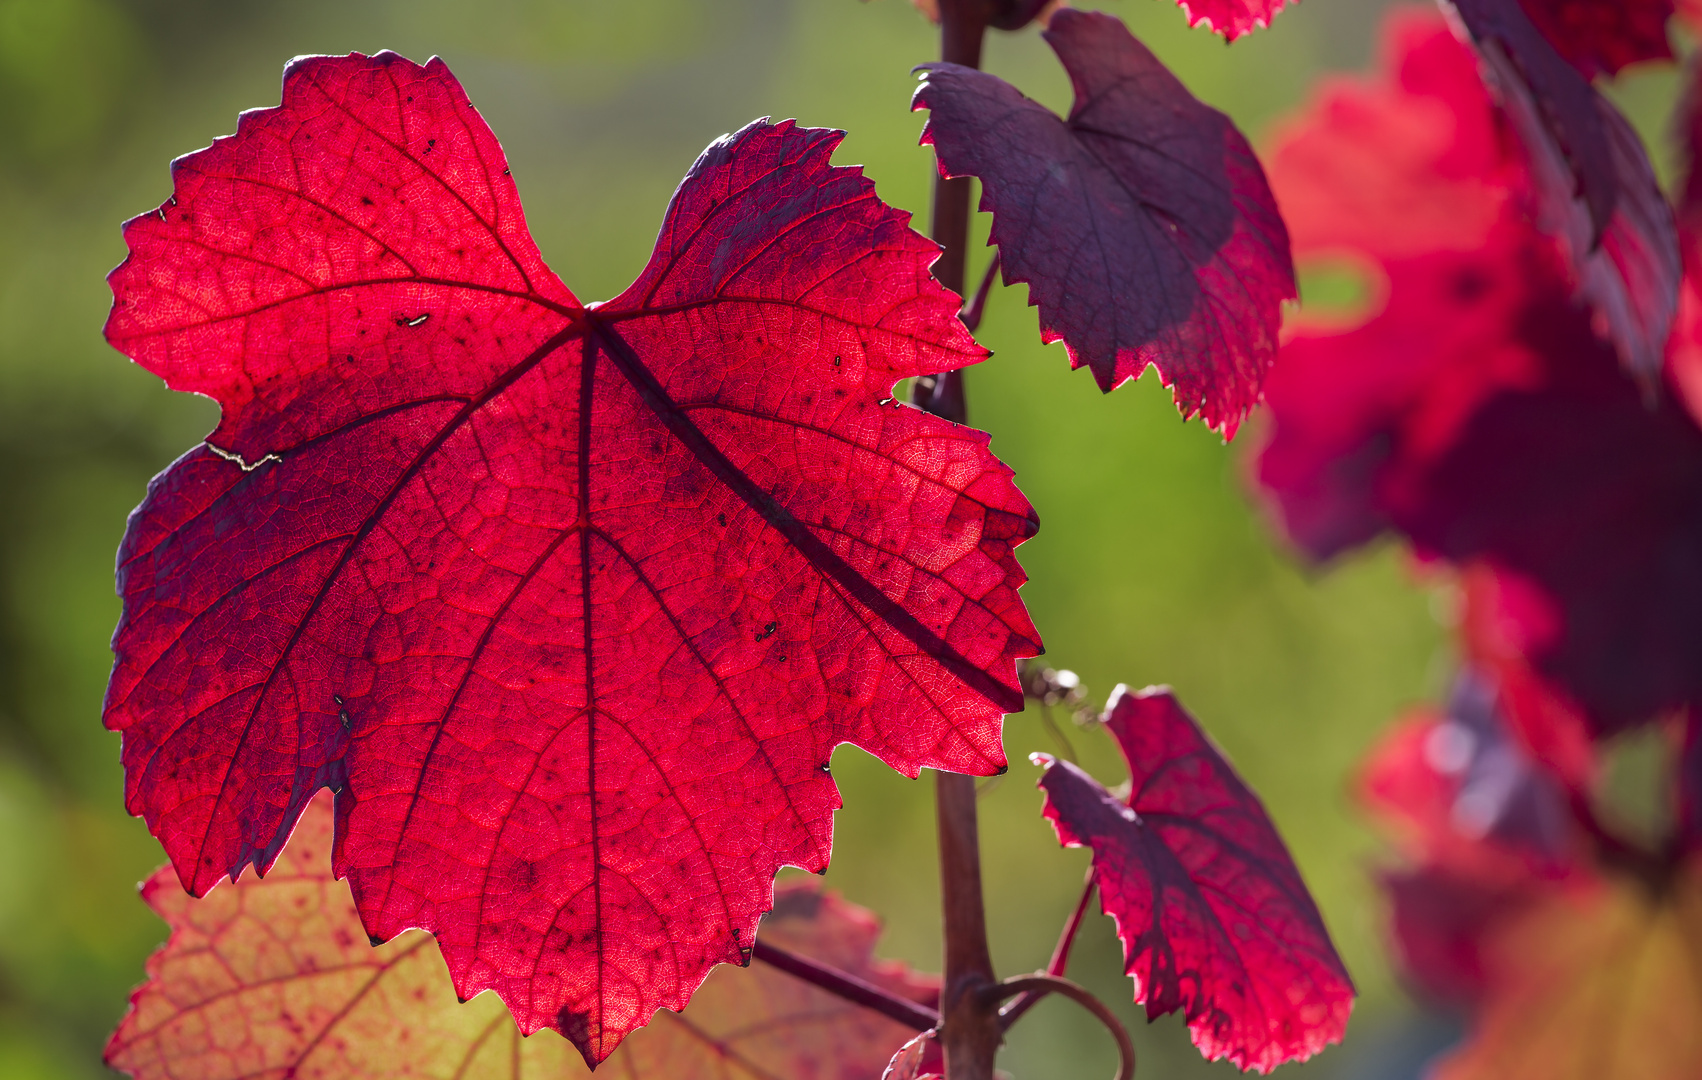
x,y
1142,225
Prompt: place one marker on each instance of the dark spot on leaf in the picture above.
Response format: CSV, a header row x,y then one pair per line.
x,y
575,1025
768,631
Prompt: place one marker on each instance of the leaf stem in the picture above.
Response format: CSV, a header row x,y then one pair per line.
x,y
970,1032
1059,962
963,23
848,986
1040,984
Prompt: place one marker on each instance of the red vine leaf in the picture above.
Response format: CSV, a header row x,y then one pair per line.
x,y
570,604
1213,915
1409,160
1598,37
1142,224
1592,183
1434,418
275,978
1231,18
1478,374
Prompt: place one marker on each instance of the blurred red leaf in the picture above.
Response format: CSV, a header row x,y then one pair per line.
x,y
275,978
1478,414
1212,913
1142,224
1458,790
1599,37
570,604
1409,160
1593,187
1571,969
1480,417
1503,620
1592,978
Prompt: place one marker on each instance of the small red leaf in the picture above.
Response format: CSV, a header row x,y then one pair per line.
x,y
1594,188
1231,18
276,979
570,604
1599,37
1143,224
1213,915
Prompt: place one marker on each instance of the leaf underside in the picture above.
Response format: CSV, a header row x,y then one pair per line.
x,y
569,603
1142,224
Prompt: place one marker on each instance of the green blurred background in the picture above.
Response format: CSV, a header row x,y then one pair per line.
x,y
1153,564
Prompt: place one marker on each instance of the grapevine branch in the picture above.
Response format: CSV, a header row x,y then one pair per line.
x,y
847,986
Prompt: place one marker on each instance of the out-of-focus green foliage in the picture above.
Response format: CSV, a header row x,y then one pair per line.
x,y
1152,566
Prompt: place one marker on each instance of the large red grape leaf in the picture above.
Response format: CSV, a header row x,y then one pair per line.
x,y
570,604
1593,186
1142,224
1601,36
274,979
1213,915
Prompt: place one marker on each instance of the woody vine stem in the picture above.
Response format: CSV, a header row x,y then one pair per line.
x,y
970,1023
972,1028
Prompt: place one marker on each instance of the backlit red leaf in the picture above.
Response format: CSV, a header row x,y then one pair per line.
x,y
1213,915
1232,18
569,603
1601,36
275,979
1480,417
1142,224
1593,186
